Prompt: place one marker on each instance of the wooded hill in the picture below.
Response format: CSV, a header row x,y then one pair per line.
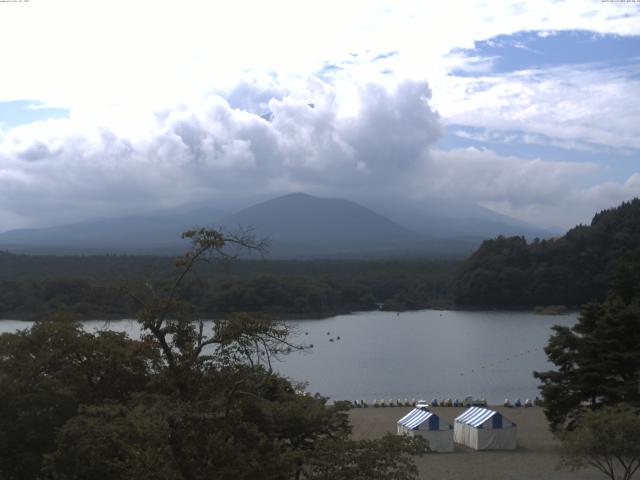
x,y
570,270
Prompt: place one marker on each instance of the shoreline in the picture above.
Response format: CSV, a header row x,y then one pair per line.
x,y
288,316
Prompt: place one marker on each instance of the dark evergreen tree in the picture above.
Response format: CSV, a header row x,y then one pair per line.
x,y
598,359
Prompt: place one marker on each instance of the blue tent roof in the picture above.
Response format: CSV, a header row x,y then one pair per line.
x,y
476,416
416,417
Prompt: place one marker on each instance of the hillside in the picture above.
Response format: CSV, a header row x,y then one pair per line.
x,y
155,232
570,270
300,224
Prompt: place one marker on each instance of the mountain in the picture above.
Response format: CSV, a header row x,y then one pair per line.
x,y
447,219
570,270
298,225
302,225
155,232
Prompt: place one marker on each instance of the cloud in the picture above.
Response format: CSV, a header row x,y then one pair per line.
x,y
583,104
362,141
546,193
66,170
485,176
170,110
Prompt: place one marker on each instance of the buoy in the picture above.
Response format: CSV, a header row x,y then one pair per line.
x,y
338,338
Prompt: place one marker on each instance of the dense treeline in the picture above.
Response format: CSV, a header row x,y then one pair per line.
x,y
94,286
571,270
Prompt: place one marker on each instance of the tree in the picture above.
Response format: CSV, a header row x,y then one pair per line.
x,y
114,441
388,458
598,359
47,372
608,440
191,400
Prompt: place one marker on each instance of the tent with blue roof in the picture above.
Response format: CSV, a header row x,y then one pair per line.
x,y
428,425
484,429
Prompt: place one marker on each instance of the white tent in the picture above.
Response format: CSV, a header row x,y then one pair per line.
x,y
484,429
428,425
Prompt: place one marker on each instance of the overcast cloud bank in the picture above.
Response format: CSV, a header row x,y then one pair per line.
x,y
329,98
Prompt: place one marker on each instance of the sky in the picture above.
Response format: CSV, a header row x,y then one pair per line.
x,y
107,108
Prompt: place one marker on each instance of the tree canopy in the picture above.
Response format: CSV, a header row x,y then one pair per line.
x,y
189,400
606,439
570,270
598,359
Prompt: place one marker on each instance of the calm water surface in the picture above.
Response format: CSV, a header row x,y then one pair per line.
x,y
423,354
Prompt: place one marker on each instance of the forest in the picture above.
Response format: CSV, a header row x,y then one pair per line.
x,y
94,286
570,270
503,273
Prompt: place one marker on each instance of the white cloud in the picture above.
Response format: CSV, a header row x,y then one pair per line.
x,y
485,176
577,206
545,193
580,105
209,149
148,54
166,98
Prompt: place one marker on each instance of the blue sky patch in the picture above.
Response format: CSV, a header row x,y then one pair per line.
x,y
534,49
384,56
22,112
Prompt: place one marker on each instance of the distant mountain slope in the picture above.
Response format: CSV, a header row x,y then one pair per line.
x,y
571,270
300,224
136,233
458,219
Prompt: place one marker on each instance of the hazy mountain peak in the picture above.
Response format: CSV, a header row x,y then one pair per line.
x,y
298,224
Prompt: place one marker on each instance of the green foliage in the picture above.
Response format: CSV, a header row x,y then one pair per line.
x,y
191,400
388,458
598,359
571,270
608,440
113,441
31,287
48,372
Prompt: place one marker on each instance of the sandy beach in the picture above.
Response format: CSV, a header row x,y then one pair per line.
x,y
536,457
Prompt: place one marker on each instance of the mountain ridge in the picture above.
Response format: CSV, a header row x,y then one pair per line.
x,y
299,225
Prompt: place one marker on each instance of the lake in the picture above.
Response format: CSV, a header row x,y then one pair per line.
x,y
421,354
